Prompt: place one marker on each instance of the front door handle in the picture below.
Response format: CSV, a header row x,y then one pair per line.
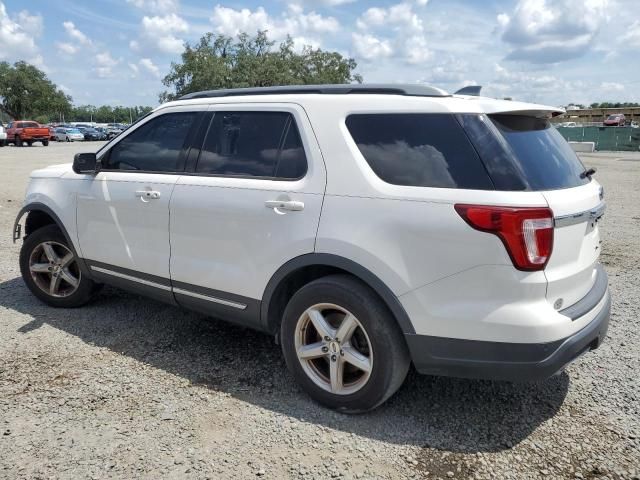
x,y
146,195
278,205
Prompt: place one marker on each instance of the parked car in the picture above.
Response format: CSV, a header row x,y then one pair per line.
x,y
3,136
113,132
92,134
20,132
69,135
615,120
365,227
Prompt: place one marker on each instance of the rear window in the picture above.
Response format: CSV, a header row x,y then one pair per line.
x,y
422,150
523,152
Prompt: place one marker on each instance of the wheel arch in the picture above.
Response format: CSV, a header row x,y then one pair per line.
x,y
300,270
38,215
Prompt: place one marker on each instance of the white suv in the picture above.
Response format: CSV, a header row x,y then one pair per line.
x,y
366,227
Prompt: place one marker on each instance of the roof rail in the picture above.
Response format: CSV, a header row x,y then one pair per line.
x,y
471,90
413,90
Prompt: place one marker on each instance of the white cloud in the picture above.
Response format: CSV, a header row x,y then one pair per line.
x,y
632,37
369,47
615,86
293,21
104,64
17,40
403,23
322,3
161,34
164,6
149,66
67,48
76,34
31,24
548,31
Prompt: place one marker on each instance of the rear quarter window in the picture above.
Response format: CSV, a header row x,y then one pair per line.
x,y
418,149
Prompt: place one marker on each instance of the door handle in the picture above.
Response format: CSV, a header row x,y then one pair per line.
x,y
146,195
291,205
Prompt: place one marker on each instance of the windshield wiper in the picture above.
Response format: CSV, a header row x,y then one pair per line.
x,y
588,173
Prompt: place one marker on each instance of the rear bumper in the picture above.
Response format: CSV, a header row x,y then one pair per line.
x,y
506,361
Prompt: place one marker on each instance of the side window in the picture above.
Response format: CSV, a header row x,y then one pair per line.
x,y
253,144
418,149
154,147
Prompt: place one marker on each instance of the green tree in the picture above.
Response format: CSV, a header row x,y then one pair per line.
x,y
26,92
218,61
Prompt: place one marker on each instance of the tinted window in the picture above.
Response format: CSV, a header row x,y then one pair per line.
x,y
154,147
425,150
524,153
252,144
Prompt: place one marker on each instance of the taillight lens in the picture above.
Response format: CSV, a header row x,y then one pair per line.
x,y
527,233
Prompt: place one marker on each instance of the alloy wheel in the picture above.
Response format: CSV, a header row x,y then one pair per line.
x,y
54,269
333,349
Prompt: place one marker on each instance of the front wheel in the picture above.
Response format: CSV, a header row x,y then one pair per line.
x,y
45,143
342,344
51,269
68,139
18,141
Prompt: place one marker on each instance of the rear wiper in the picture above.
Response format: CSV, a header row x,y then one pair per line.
x,y
588,173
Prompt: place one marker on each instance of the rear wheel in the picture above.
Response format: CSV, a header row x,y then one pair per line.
x,y
30,143
51,269
45,143
342,344
18,141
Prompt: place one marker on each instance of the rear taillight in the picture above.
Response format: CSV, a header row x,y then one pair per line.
x,y
527,233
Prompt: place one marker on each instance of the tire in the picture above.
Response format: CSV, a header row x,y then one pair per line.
x,y
68,140
374,341
45,143
30,143
18,141
3,143
38,269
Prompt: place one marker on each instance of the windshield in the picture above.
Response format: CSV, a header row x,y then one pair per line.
x,y
73,130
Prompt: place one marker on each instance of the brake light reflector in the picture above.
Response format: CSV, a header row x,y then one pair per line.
x,y
527,233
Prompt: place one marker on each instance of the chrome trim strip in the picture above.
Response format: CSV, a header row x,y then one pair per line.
x,y
133,279
240,306
581,217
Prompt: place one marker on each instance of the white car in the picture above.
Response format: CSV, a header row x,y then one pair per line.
x,y
366,227
68,135
3,136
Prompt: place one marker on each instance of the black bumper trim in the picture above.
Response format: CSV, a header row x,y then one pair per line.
x,y
505,361
591,299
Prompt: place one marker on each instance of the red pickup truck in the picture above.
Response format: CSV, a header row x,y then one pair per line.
x,y
20,132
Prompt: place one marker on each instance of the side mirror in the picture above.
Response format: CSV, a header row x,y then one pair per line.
x,y
85,163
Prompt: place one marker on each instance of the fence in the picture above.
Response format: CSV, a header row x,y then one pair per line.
x,y
606,138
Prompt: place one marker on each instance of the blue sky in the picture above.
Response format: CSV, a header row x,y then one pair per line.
x,y
549,51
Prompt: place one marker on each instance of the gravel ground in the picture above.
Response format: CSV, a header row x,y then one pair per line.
x,y
127,387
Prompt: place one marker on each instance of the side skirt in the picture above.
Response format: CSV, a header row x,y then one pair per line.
x,y
225,306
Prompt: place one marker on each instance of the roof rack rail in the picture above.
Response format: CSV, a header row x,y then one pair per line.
x,y
413,90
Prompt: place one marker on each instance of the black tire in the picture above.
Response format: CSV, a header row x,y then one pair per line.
x,y
68,140
30,143
45,143
86,288
3,143
18,141
388,348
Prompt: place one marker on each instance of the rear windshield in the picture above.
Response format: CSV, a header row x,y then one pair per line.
x,y
523,152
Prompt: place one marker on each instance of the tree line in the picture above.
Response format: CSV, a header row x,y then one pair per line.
x,y
215,61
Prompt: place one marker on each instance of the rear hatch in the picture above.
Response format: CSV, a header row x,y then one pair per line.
x,y
525,153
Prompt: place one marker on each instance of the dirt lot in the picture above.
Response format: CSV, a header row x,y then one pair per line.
x,y
127,387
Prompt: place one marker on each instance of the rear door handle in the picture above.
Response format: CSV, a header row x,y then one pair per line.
x,y
146,195
290,205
